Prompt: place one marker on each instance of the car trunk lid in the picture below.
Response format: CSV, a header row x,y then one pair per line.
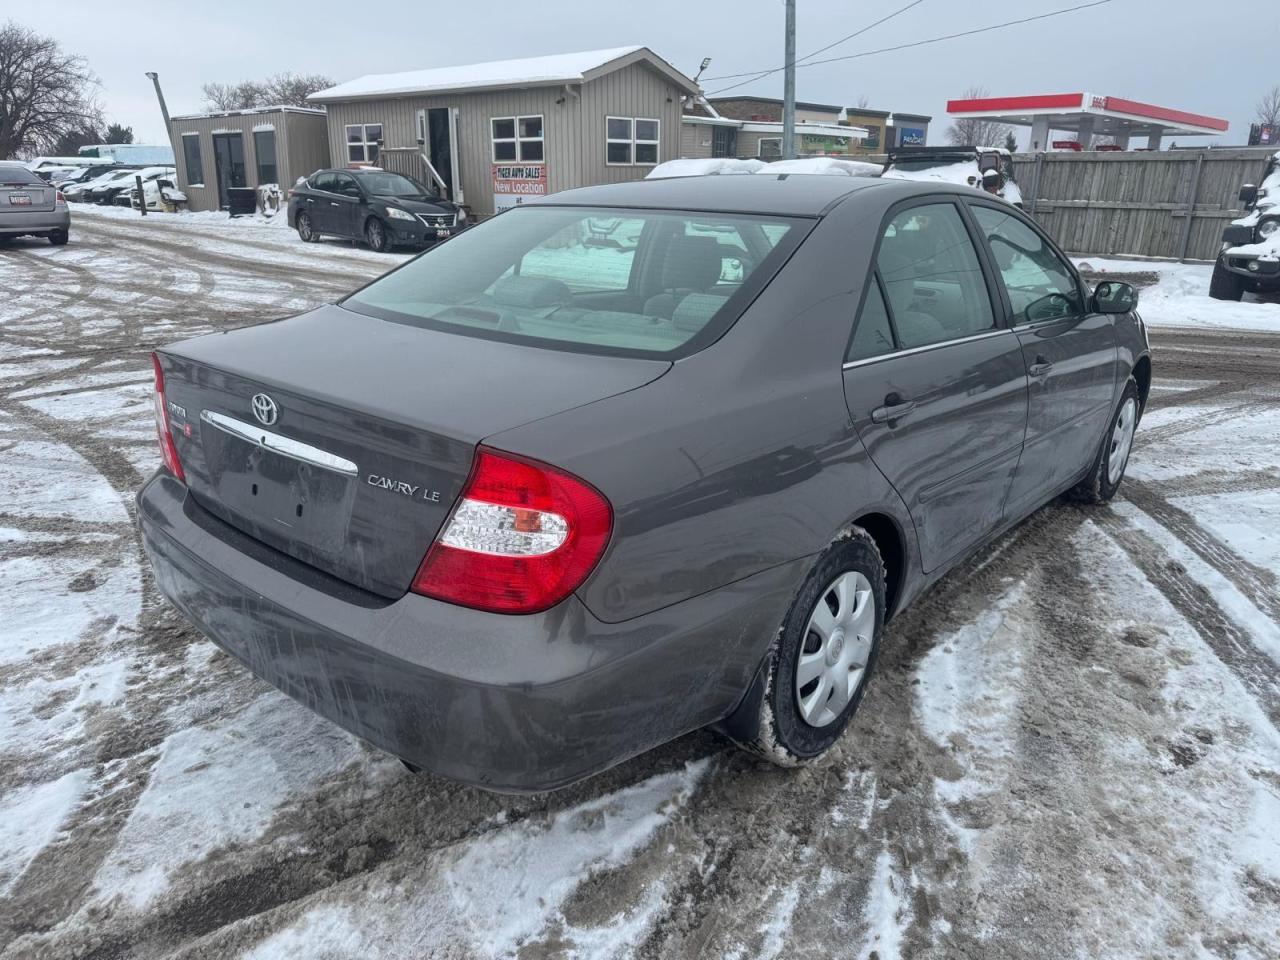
x,y
343,440
18,194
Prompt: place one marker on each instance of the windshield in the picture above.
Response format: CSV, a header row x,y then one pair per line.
x,y
632,282
394,185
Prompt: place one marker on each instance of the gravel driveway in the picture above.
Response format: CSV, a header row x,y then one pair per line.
x,y
1070,748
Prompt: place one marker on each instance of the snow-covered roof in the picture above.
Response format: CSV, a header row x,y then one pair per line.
x,y
525,72
827,166
703,167
282,108
807,127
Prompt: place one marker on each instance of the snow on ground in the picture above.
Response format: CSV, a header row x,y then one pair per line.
x,y
1181,298
1069,749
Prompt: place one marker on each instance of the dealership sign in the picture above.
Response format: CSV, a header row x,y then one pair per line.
x,y
512,182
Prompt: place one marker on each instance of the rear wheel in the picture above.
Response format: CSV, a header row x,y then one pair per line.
x,y
1113,453
59,237
307,229
818,667
1225,285
375,234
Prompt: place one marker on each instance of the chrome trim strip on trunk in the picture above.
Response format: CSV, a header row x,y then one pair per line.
x,y
276,443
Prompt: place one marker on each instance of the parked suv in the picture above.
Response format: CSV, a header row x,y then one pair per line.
x,y
1250,254
381,208
975,166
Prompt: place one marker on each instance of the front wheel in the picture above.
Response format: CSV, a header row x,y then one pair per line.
x,y
375,234
307,229
823,655
1225,285
1103,479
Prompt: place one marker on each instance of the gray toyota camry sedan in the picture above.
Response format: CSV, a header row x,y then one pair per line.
x,y
633,460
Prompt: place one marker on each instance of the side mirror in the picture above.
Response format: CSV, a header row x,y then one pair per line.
x,y
1111,296
1249,194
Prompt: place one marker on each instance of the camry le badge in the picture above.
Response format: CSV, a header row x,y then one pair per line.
x,y
265,409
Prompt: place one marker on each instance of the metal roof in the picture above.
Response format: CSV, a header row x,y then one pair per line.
x,y
1108,114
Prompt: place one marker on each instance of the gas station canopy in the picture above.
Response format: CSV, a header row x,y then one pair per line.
x,y
1088,115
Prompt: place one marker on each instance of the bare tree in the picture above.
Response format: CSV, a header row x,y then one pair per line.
x,y
292,89
976,131
1268,108
283,89
45,94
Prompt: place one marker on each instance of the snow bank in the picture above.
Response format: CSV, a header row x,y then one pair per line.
x,y
1181,297
829,166
703,167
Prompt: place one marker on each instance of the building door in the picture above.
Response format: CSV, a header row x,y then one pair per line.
x,y
724,141
439,144
228,160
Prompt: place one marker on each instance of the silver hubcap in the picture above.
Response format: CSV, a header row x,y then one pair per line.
x,y
1121,440
835,648
305,227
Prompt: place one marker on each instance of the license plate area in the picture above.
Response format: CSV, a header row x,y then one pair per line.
x,y
303,507
20,199
441,232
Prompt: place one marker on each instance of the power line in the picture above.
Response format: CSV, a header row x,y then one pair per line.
x,y
921,43
799,62
755,75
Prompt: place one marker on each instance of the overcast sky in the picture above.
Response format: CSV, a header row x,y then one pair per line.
x,y
1175,53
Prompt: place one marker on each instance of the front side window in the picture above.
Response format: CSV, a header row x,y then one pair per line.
x,y
632,141
932,277
191,156
1040,285
518,139
362,142
634,282
264,148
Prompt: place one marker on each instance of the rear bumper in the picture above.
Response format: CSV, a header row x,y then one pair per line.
x,y
28,222
505,703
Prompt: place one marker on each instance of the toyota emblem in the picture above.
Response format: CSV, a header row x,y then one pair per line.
x,y
265,409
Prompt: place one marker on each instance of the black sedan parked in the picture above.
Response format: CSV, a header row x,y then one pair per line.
x,y
384,209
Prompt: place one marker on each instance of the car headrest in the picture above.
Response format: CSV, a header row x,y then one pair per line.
x,y
530,292
694,311
691,263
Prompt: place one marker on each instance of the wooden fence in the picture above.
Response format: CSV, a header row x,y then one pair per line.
x,y
1171,204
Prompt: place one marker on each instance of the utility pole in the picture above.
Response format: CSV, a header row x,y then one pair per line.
x,y
789,87
164,111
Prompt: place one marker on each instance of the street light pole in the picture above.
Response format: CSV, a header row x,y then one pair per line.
x,y
789,86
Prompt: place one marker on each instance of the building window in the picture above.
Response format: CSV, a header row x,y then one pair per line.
x,y
264,148
770,148
631,140
191,154
362,142
517,139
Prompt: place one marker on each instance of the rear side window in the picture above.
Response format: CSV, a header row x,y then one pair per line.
x,y
634,282
874,335
1040,285
932,277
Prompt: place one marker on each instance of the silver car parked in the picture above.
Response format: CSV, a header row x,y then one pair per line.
x,y
31,207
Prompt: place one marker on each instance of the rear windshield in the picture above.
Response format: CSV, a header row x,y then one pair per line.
x,y
921,164
631,282
17,177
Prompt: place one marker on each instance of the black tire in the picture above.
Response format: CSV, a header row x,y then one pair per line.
x,y
306,230
1225,285
784,736
59,238
376,236
1101,483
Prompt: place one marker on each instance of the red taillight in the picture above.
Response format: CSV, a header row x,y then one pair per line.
x,y
521,538
58,197
168,452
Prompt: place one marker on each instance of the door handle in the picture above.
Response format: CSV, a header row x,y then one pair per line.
x,y
1040,367
894,407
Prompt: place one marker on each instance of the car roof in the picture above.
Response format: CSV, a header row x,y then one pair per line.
x,y
783,194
